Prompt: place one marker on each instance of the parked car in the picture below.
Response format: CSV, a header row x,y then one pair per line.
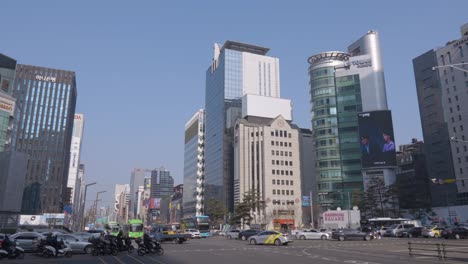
x,y
29,241
76,244
269,238
394,229
312,234
245,234
233,234
195,233
434,232
411,232
351,234
456,232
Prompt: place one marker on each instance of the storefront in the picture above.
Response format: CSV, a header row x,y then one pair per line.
x,y
283,224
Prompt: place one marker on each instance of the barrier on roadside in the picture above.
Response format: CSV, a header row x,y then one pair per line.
x,y
441,251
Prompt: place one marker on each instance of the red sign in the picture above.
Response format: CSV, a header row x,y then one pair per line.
x,y
333,217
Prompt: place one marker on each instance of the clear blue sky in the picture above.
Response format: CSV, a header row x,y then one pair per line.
x,y
141,65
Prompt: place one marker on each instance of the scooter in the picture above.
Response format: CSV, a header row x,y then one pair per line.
x,y
50,251
16,253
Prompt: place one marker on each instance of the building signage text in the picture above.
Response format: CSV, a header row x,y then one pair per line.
x,y
333,217
362,63
45,78
7,106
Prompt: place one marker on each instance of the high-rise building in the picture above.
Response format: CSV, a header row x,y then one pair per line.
x,y
343,84
74,182
46,101
7,102
267,161
176,206
137,179
194,165
308,179
413,177
236,69
162,187
441,82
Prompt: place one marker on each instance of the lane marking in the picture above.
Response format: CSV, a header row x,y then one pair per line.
x,y
155,260
135,259
118,260
102,260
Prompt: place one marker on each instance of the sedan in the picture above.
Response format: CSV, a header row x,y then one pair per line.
x,y
233,234
194,233
411,232
350,234
434,232
245,234
457,232
29,241
75,244
269,238
312,234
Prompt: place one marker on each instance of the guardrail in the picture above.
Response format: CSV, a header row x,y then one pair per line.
x,y
439,250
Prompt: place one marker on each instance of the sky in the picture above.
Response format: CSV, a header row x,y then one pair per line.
x,y
140,65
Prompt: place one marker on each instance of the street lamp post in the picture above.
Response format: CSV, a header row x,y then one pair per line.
x,y
452,66
82,207
96,202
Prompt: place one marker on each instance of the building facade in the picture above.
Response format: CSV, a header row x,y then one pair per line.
x,y
74,182
46,101
308,179
162,187
267,162
176,206
412,176
441,77
343,84
194,165
236,69
7,102
137,179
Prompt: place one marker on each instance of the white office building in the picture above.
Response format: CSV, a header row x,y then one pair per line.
x,y
74,182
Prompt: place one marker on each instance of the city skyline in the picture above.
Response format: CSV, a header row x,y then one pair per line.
x,y
100,71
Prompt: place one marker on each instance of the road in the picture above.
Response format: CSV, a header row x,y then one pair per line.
x,y
221,250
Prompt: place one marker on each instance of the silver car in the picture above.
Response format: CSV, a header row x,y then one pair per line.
x,y
76,244
233,234
29,241
311,234
269,238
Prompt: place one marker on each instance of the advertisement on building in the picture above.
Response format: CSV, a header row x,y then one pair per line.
x,y
155,203
341,219
377,143
7,105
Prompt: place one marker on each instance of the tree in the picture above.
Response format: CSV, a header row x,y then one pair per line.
x,y
216,210
251,202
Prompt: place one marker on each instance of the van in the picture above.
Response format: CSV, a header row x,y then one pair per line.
x,y
394,229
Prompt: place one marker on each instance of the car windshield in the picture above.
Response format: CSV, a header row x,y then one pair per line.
x,y
394,226
136,228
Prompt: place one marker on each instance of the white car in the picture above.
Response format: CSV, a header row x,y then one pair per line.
x,y
312,234
194,233
233,234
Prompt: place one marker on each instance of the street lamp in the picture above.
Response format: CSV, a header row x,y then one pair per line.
x,y
451,66
82,222
96,203
454,139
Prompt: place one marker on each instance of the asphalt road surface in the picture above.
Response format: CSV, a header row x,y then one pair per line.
x,y
221,250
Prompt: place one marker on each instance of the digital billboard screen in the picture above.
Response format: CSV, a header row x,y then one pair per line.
x,y
377,139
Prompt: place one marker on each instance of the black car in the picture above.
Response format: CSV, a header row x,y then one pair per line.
x,y
457,232
411,232
351,234
245,234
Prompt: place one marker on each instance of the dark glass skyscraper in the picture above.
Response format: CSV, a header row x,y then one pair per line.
x,y
46,101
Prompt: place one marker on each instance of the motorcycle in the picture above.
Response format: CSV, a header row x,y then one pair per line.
x,y
375,235
107,247
154,247
124,247
62,249
15,253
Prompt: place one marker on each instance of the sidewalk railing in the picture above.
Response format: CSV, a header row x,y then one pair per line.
x,y
441,251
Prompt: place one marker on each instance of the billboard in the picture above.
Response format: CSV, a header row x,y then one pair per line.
x,y
377,143
155,203
305,201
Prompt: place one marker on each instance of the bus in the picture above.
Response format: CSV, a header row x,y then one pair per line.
x,y
135,228
114,228
200,222
386,221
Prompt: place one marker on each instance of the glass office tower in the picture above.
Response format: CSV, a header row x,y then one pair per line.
x,y
237,69
43,128
343,84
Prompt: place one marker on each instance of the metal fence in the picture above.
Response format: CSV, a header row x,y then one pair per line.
x,y
441,251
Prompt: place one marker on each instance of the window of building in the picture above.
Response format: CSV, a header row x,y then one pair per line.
x,y
459,160
281,143
282,162
287,182
458,107
461,170
287,173
287,192
290,163
460,49
281,153
289,135
466,84
465,73
453,119
256,133
282,172
442,59
281,133
290,154
273,172
450,100
274,191
277,144
458,150
456,97
292,192
282,192
291,182
453,78
461,127
273,162
277,162
273,181
465,148
445,72
277,152
290,144
454,88
449,57
466,158
459,117
291,173
276,133
272,152
446,81
278,172
272,133
272,143
448,90
451,110
454,130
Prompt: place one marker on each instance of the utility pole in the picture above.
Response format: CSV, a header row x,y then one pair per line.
x,y
312,224
82,207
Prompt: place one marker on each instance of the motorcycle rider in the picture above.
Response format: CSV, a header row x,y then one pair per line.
x,y
147,241
8,245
